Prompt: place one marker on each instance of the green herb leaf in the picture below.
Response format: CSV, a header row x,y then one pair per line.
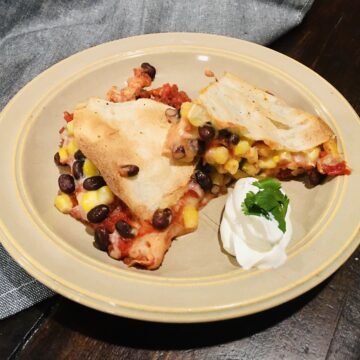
x,y
269,200
269,183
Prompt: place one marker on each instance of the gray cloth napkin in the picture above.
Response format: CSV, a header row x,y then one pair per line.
x,y
37,34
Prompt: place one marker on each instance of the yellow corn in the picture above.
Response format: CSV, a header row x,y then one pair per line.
x,y
252,155
70,128
267,164
219,154
241,148
89,200
276,158
232,166
220,169
239,174
331,147
105,195
190,217
63,203
217,178
250,169
72,147
90,169
197,115
63,155
285,155
313,155
185,107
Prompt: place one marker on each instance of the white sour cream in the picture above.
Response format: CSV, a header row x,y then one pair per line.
x,y
254,240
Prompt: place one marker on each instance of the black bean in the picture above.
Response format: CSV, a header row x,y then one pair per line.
x,y
201,147
102,239
98,214
149,69
57,159
206,132
224,134
206,168
204,180
178,152
79,155
124,229
77,169
66,183
228,136
234,139
129,170
94,183
284,175
162,218
315,177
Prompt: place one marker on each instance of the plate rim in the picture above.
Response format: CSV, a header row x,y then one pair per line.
x,y
16,254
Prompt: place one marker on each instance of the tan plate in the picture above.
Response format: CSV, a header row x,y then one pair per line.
x,y
197,281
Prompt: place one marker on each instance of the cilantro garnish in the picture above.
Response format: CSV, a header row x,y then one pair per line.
x,y
269,200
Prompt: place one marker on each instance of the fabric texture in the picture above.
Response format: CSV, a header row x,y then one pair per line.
x,y
37,34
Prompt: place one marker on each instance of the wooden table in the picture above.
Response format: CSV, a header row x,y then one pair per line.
x,y
322,324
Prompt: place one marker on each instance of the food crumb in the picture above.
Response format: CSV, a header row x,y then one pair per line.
x,y
209,73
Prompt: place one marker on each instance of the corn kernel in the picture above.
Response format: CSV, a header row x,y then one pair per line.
x,y
190,217
89,169
240,174
220,155
220,169
185,107
252,155
241,148
197,115
285,155
70,128
276,158
250,169
232,166
267,164
313,155
89,200
72,147
105,195
63,155
217,178
63,203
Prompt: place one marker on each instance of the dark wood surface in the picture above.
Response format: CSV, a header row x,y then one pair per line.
x,y
322,324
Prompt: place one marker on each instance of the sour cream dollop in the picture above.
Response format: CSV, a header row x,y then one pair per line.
x,y
254,240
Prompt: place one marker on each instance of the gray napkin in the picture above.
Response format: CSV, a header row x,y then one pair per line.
x,y
37,34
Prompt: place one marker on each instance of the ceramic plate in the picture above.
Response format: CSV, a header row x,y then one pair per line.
x,y
197,281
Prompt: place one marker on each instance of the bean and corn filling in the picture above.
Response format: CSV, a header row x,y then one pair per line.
x,y
84,194
228,155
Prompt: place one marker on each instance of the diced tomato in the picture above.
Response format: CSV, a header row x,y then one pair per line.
x,y
167,94
337,169
68,116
